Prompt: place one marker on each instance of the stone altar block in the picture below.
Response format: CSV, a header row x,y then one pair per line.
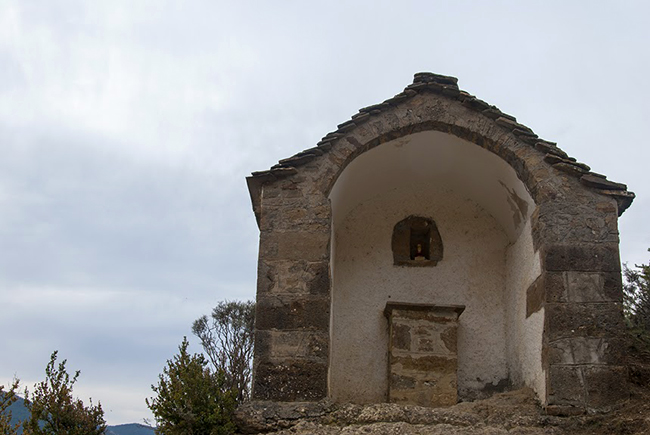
x,y
422,353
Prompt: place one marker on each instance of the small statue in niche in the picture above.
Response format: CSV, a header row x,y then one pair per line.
x,y
416,242
419,255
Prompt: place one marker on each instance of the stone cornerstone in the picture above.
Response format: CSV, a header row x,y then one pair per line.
x,y
437,198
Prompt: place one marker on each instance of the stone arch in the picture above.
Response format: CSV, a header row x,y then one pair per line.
x,y
578,263
489,264
481,134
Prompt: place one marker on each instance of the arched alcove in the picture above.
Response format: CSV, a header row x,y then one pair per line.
x,y
416,242
482,212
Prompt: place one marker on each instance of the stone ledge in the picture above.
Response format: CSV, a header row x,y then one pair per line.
x,y
290,380
595,320
292,311
517,408
582,258
582,287
587,351
264,416
277,346
564,410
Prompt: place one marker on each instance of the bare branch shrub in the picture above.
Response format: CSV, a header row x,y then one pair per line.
x,y
227,339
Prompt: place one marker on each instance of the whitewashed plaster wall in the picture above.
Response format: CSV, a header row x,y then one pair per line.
x,y
481,210
524,335
472,273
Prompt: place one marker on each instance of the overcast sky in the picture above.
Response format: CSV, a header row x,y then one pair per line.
x,y
127,129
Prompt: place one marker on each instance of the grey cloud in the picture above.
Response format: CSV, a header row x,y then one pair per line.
x,y
126,131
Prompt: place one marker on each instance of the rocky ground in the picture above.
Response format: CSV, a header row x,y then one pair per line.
x,y
515,412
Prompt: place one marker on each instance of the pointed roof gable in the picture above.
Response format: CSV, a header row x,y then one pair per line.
x,y
430,83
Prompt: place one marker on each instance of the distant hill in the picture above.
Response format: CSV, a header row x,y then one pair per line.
x,y
130,429
19,413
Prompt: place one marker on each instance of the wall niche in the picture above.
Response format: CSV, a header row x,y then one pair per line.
x,y
416,242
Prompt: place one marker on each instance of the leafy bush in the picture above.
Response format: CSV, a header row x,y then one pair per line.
x,y
636,295
191,399
53,410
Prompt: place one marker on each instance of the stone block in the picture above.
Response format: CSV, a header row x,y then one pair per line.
x,y
400,337
398,382
427,364
449,338
586,350
293,276
430,313
576,223
584,286
273,345
436,389
565,386
278,201
594,286
295,245
606,386
575,286
285,312
535,296
564,410
613,286
318,282
290,381
266,276
582,257
555,287
583,320
295,215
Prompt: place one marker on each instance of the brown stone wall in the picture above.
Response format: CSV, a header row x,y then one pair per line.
x,y
582,295
584,326
293,295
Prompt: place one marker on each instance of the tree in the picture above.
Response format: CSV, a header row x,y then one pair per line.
x,y
636,295
53,410
7,398
227,339
191,399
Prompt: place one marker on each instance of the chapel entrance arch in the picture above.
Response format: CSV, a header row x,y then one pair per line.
x,y
482,212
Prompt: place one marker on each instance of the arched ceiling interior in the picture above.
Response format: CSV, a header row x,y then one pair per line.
x,y
434,160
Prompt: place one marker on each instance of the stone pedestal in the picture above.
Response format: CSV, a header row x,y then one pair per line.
x,y
422,354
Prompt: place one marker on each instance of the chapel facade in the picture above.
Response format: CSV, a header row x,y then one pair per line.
x,y
433,250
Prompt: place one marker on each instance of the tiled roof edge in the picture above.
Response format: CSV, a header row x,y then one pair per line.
x,y
424,82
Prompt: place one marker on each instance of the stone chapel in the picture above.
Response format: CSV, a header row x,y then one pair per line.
x,y
433,250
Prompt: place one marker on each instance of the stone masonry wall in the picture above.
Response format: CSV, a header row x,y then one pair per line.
x,y
293,302
583,302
